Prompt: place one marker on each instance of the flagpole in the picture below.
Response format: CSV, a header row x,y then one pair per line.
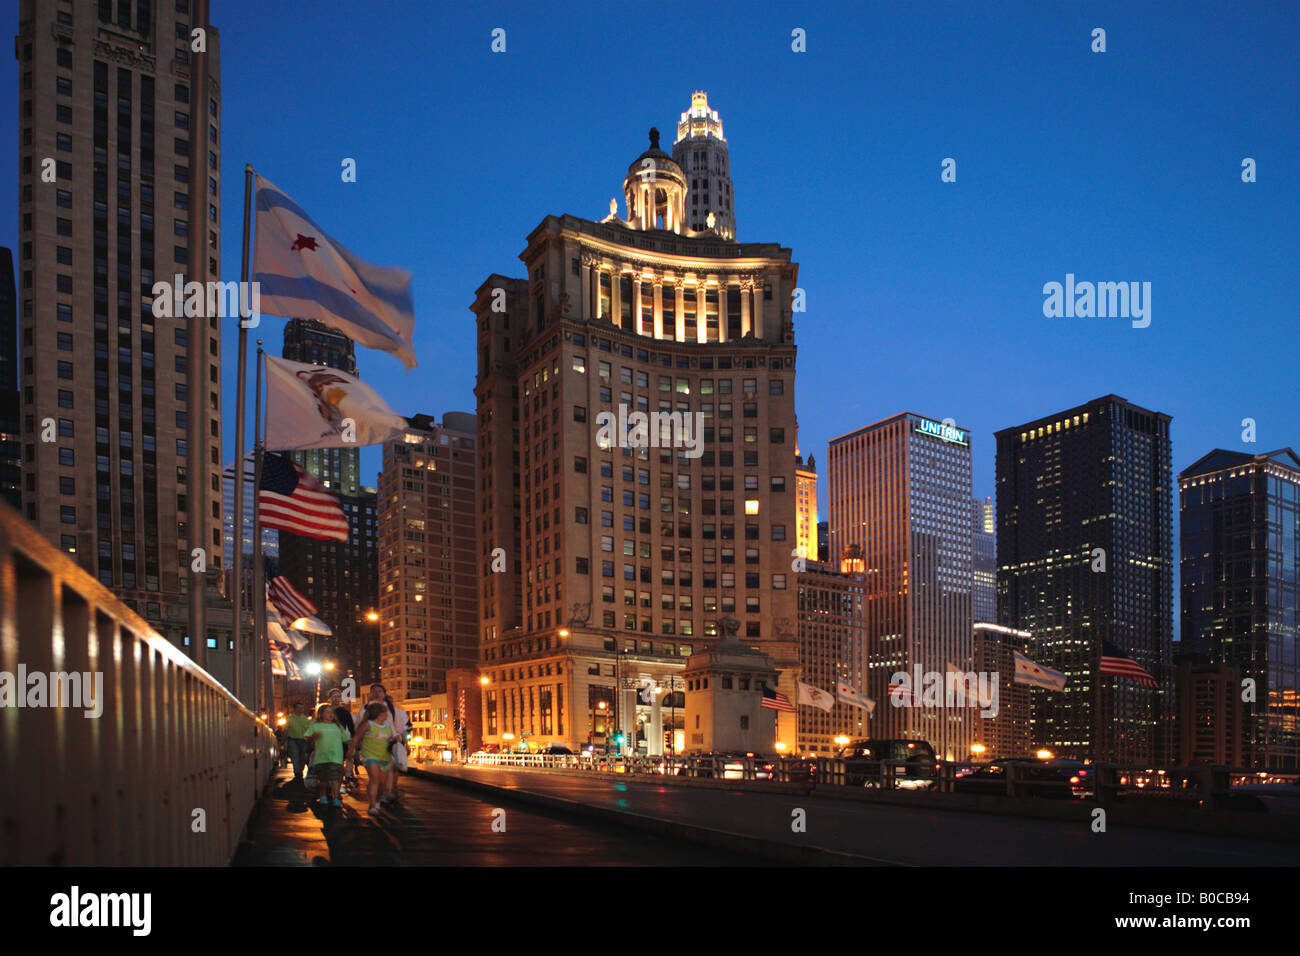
x,y
258,596
240,406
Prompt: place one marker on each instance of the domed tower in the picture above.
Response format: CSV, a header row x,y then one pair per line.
x,y
701,152
655,189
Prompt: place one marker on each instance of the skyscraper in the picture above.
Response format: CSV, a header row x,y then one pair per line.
x,y
340,577
119,172
11,453
428,554
984,562
1239,537
702,154
900,490
609,550
1085,555
805,502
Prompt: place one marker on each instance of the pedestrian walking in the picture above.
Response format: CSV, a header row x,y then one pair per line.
x,y
371,742
401,728
344,718
328,739
295,732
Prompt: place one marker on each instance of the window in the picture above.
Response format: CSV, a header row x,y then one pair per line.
x,y
65,370
778,532
776,386
579,413
64,198
580,465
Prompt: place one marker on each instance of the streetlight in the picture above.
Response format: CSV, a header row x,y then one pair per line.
x,y
372,616
1044,754
841,741
978,750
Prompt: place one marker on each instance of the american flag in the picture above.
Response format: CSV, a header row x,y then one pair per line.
x,y
292,500
285,596
774,701
902,691
1114,661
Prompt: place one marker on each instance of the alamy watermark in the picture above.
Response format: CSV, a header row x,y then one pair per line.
x,y
223,300
920,688
682,430
1105,300
84,690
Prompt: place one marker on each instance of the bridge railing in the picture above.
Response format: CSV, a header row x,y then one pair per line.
x,y
1204,787
141,758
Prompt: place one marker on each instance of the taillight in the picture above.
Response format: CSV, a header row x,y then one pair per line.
x,y
1074,780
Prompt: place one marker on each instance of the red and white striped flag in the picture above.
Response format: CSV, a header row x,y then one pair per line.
x,y
1114,661
285,596
290,499
774,701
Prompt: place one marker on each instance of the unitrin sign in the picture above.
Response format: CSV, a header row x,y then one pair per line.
x,y
941,430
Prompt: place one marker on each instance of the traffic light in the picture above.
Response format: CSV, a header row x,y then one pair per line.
x,y
620,739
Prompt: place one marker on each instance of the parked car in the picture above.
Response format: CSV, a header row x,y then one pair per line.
x,y
557,750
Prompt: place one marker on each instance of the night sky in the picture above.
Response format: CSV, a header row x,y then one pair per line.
x,y
921,295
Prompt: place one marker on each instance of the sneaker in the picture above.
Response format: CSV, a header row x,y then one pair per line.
x,y
374,811
338,803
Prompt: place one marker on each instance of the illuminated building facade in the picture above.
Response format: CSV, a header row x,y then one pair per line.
x,y
608,554
832,646
701,152
1006,734
1085,555
1239,536
127,116
900,493
984,562
805,502
428,554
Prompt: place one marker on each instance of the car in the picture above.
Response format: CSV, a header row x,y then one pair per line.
x,y
734,766
1047,779
556,750
913,763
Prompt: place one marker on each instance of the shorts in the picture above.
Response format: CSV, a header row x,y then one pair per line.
x,y
329,772
383,765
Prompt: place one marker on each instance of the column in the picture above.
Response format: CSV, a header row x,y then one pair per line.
x,y
636,304
615,295
758,309
659,308
679,334
585,311
723,290
654,735
746,290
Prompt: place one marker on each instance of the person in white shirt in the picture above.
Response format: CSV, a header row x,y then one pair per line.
x,y
401,727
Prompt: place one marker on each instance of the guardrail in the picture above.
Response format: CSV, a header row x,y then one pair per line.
x,y
1204,787
142,758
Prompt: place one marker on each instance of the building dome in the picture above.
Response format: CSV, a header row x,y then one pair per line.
x,y
655,189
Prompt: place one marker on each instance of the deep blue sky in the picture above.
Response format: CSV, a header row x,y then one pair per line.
x,y
921,295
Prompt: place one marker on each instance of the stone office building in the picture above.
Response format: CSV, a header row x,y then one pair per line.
x,y
612,542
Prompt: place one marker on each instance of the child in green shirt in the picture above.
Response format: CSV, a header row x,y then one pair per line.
x,y
329,739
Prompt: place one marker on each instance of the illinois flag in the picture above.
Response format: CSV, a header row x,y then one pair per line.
x,y
302,273
315,406
849,695
1036,675
814,696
